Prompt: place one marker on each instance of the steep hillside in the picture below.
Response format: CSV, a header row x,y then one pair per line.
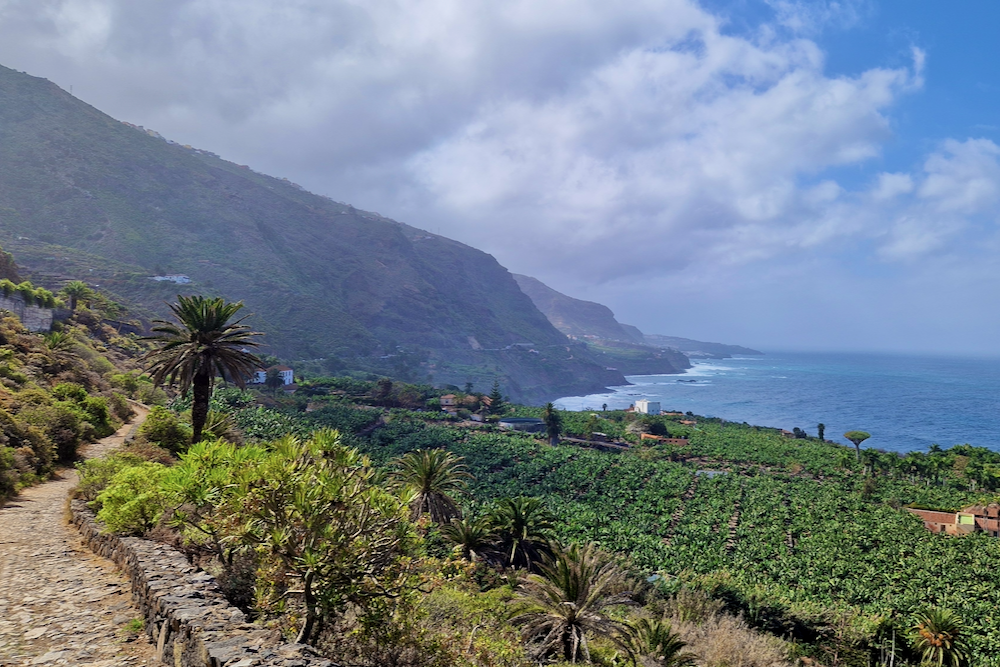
x,y
618,347
83,195
575,317
578,318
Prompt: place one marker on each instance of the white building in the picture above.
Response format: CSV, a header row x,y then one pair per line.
x,y
260,375
647,407
178,278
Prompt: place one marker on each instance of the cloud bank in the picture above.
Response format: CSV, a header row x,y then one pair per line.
x,y
609,150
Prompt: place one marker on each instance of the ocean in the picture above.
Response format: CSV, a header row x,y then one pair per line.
x,y
906,402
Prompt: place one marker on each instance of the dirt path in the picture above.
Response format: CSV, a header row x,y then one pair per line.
x,y
59,603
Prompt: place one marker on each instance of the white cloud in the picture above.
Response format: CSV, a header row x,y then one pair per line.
x,y
590,143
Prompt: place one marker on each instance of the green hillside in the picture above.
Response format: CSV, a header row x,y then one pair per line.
x,y
85,196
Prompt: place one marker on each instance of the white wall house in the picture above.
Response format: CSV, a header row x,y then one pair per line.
x,y
260,375
647,407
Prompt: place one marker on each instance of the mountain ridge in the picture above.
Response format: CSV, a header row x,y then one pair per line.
x,y
588,319
83,195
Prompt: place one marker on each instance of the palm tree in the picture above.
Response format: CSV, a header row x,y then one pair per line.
x,y
474,538
553,423
433,477
204,344
273,380
565,603
524,527
59,341
937,637
76,290
658,646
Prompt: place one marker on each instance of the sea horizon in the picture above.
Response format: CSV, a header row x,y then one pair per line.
x,y
907,401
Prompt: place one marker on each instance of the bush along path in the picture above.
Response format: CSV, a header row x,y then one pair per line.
x,y
59,603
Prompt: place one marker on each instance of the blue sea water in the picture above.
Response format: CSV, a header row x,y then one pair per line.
x,y
907,403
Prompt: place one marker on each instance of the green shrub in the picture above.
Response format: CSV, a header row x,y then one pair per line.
x,y
69,391
150,395
27,292
63,423
132,501
121,409
96,474
7,287
127,382
18,433
96,408
164,428
8,474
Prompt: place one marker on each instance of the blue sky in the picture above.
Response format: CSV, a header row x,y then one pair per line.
x,y
780,174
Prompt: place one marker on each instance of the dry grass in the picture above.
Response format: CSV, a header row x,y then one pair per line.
x,y
719,639
727,641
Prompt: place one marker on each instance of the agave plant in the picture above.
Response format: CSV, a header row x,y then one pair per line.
x,y
565,603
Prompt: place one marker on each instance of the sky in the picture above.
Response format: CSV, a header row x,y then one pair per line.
x,y
779,174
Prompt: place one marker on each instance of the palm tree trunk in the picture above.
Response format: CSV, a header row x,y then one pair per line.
x,y
202,385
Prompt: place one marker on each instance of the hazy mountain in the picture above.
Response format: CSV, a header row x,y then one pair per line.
x,y
699,348
83,195
575,317
618,346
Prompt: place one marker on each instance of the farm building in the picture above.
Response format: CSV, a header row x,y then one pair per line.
x,y
526,424
972,519
647,407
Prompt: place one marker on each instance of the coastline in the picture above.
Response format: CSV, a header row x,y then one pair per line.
x,y
907,402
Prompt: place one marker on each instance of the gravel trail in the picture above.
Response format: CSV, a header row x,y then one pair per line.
x,y
59,603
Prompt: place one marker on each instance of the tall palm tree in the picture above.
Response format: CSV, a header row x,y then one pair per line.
x,y
433,477
565,602
524,527
659,646
202,345
76,290
937,637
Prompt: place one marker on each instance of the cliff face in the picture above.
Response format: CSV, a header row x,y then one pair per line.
x,y
85,196
575,317
618,347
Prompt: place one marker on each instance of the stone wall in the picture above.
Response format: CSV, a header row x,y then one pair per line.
x,y
186,615
32,317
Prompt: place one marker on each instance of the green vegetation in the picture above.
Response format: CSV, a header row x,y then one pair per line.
x,y
55,395
431,480
802,540
31,295
567,601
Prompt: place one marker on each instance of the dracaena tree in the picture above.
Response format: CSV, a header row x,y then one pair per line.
x,y
857,437
204,343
